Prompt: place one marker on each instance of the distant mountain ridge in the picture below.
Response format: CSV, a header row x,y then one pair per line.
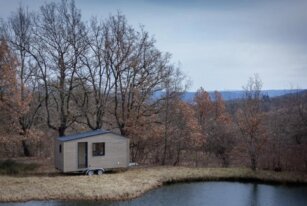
x,y
238,94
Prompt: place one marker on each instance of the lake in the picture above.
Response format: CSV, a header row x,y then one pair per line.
x,y
205,194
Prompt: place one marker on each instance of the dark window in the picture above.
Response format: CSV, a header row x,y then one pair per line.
x,y
98,149
60,148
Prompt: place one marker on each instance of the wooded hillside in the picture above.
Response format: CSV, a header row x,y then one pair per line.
x,y
61,75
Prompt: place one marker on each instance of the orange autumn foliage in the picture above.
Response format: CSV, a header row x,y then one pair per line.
x,y
215,123
13,102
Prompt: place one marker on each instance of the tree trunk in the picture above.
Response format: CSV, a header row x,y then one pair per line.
x,y
25,148
253,163
225,161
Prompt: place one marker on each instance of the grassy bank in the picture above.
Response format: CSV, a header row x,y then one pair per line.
x,y
11,167
126,185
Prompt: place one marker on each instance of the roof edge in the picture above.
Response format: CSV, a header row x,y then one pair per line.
x,y
82,135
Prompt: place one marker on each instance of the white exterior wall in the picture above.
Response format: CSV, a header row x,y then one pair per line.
x,y
116,153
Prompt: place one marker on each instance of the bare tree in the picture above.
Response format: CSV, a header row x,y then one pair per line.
x,y
96,78
250,119
18,32
59,42
138,71
173,90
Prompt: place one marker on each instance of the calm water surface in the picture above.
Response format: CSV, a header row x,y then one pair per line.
x,y
205,194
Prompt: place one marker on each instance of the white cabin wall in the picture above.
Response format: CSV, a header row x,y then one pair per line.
x,y
116,152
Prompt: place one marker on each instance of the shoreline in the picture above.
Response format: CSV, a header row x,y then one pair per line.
x,y
129,184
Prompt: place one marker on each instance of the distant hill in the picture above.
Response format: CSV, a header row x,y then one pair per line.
x,y
232,95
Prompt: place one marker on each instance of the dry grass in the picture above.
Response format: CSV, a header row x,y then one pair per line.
x,y
11,167
125,185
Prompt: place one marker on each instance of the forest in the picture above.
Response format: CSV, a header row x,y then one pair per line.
x,y
61,75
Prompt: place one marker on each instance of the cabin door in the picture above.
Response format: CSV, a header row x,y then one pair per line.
x,y
82,154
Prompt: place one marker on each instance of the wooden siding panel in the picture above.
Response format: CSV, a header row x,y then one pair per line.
x,y
116,152
70,156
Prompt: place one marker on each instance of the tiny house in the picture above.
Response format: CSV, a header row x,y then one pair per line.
x,y
91,152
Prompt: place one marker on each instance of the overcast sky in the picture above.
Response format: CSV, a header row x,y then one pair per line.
x,y
218,43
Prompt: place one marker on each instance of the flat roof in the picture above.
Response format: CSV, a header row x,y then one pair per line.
x,y
83,135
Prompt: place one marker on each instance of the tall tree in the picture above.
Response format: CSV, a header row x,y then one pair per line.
x,y
185,132
59,38
173,89
250,119
96,80
203,107
215,124
138,70
11,106
18,32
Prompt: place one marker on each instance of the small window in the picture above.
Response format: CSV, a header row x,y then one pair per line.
x,y
98,149
60,148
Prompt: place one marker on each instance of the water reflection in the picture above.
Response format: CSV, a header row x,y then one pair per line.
x,y
254,195
203,193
